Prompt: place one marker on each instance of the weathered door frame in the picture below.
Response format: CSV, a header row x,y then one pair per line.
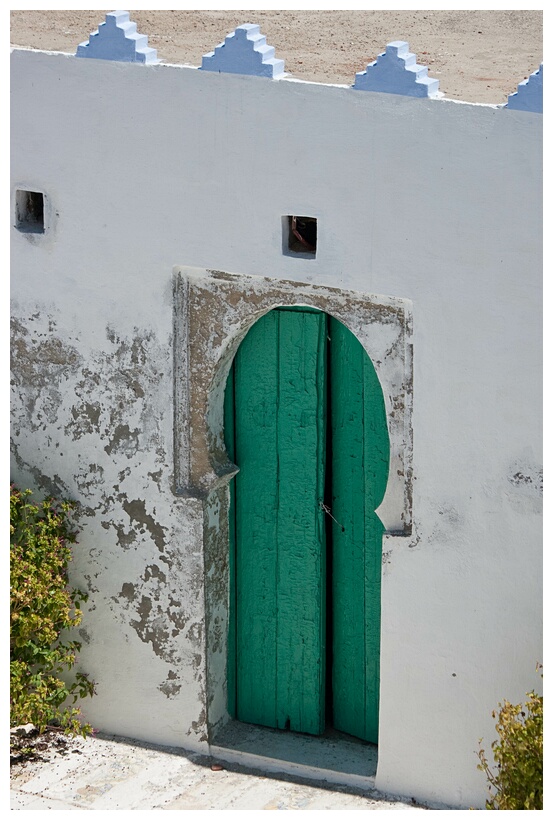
x,y
213,311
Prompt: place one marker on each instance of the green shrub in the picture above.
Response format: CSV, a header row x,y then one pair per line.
x,y
517,783
42,606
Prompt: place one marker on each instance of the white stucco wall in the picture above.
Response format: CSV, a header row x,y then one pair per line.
x,y
149,167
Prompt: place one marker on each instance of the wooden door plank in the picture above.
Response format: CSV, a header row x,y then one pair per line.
x,y
279,378
301,537
256,372
360,456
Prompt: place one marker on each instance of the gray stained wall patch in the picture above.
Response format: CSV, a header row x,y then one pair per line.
x,y
136,510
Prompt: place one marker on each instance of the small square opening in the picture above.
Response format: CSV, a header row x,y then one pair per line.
x,y
299,236
29,211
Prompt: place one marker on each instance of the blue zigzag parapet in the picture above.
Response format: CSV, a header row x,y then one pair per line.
x,y
529,96
245,51
117,39
396,71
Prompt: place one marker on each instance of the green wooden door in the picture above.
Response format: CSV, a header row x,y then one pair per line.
x,y
295,369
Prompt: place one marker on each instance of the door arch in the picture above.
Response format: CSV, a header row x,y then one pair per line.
x,y
305,422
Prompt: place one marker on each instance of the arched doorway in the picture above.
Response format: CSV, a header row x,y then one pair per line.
x,y
305,422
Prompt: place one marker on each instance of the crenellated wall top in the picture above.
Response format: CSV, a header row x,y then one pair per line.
x,y
245,51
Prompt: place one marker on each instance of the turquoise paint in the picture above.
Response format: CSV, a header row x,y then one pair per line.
x,y
118,39
277,525
396,71
305,422
245,51
360,458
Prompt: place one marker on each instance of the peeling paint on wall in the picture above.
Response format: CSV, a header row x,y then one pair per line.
x,y
136,510
160,616
101,417
171,686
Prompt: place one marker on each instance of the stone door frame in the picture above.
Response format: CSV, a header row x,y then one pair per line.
x,y
213,311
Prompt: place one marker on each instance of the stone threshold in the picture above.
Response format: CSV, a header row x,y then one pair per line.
x,y
333,757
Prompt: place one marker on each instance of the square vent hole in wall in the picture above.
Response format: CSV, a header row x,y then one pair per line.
x,y
29,211
299,236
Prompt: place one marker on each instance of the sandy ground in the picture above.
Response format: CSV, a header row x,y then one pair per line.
x,y
478,56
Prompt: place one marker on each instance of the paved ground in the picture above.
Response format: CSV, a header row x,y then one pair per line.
x,y
108,773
